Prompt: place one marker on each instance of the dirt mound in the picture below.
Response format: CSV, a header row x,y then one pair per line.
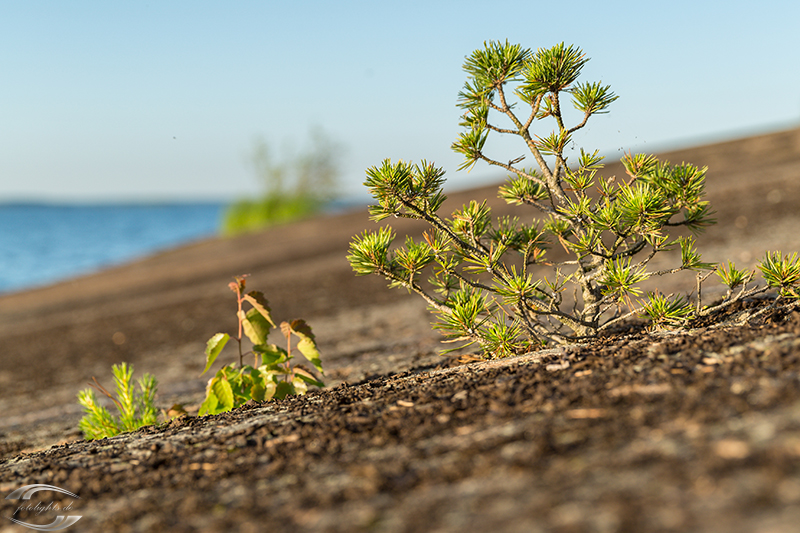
x,y
696,431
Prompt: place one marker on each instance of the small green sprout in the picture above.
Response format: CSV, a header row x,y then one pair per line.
x,y
733,277
136,409
782,272
667,311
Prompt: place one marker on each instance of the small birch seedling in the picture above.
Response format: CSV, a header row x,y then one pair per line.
x,y
272,374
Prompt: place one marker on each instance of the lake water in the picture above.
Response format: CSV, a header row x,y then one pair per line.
x,y
43,244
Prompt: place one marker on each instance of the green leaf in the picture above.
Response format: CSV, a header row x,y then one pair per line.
x,y
300,386
586,244
257,392
136,408
307,343
532,243
505,233
270,387
213,348
209,405
306,376
223,392
579,181
271,354
558,227
283,390
230,372
256,326
590,162
475,118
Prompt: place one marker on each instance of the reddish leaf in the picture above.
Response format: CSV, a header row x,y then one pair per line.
x,y
307,343
260,304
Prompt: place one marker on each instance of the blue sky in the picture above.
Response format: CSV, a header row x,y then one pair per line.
x,y
163,100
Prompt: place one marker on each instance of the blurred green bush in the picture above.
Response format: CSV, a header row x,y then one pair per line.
x,y
297,185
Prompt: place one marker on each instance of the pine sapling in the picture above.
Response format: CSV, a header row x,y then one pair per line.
x,y
136,408
477,273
